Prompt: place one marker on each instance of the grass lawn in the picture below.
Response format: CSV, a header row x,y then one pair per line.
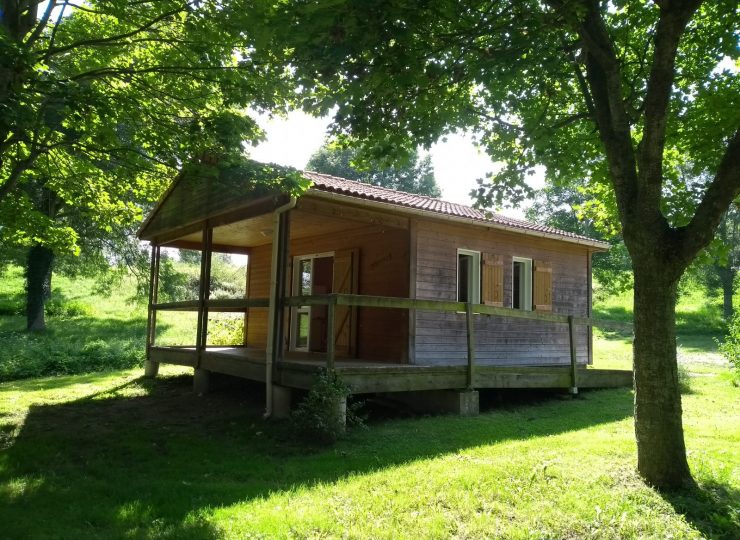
x,y
110,455
114,456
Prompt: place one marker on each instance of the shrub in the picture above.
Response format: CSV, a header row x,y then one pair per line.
x,y
67,309
226,331
730,348
684,379
319,419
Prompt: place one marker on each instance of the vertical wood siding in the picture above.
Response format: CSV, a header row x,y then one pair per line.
x,y
382,334
440,338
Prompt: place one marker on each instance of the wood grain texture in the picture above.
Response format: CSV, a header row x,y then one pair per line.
x,y
382,334
440,338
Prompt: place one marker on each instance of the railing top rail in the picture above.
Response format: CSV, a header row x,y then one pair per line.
x,y
216,304
448,306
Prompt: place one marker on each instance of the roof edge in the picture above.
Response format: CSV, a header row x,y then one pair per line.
x,y
596,245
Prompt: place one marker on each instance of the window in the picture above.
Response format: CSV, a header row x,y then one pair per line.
x,y
468,276
521,281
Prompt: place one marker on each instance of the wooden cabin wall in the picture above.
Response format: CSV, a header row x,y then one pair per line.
x,y
441,337
382,334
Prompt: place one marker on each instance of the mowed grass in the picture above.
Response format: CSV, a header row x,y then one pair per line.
x,y
115,456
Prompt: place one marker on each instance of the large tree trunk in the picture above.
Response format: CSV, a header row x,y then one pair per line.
x,y
661,451
727,277
38,285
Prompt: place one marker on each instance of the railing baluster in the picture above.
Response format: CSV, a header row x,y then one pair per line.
x,y
330,328
470,322
573,367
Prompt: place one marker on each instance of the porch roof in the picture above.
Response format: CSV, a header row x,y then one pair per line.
x,y
227,193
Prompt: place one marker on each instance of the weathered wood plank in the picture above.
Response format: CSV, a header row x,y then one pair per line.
x,y
178,356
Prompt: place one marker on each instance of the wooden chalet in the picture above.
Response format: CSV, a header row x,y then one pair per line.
x,y
396,292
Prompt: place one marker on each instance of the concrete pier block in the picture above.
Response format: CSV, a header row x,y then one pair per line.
x,y
460,402
150,369
201,381
281,401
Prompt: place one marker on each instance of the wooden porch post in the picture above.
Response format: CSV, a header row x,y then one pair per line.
x,y
204,292
573,367
274,316
283,257
152,368
470,323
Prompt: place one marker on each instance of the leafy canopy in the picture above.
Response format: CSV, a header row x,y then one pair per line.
x,y
100,102
406,72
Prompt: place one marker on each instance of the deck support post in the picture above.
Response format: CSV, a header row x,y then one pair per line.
x,y
573,365
470,325
459,402
281,401
330,332
151,368
201,381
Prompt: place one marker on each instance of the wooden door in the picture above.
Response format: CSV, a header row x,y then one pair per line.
x,y
346,272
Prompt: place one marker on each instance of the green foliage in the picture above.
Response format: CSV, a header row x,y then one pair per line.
x,y
86,331
730,346
226,331
566,207
405,73
684,379
101,104
318,419
413,175
62,308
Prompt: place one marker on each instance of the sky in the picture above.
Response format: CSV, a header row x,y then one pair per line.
x,y
457,162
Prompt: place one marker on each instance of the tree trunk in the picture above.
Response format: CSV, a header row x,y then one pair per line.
x,y
38,285
661,451
727,277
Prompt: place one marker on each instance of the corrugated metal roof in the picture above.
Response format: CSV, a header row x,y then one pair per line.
x,y
352,188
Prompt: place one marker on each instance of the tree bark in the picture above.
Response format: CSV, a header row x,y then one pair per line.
x,y
727,277
661,451
39,264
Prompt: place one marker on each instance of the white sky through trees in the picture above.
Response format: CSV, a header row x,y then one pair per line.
x,y
457,162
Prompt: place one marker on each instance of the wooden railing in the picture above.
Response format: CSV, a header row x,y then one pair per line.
x,y
390,302
468,308
214,305
218,305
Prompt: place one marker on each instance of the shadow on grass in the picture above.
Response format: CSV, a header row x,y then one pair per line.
x,y
711,508
153,463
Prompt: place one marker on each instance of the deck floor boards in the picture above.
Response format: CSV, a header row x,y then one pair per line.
x,y
298,369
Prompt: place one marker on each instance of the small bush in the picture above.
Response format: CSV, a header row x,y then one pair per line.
x,y
226,331
684,379
730,347
67,309
319,419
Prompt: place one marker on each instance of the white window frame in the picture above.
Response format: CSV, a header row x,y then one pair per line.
x,y
525,299
473,275
296,289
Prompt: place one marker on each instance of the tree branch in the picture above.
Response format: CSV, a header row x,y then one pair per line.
x,y
671,26
41,24
99,41
604,78
719,195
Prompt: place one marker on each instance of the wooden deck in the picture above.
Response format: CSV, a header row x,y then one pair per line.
x,y
298,370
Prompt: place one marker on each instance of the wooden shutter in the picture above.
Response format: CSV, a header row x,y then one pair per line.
x,y
492,280
346,272
542,285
